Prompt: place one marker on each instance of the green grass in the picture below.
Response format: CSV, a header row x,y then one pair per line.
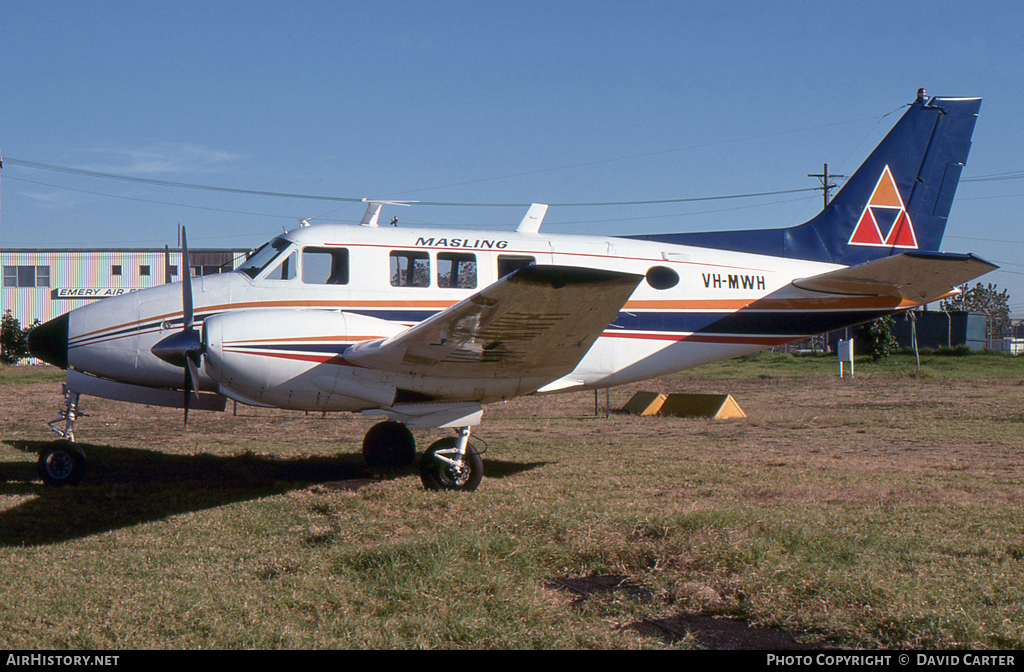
x,y
24,375
933,364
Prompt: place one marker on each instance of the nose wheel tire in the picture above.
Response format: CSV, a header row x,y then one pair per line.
x,y
438,472
62,463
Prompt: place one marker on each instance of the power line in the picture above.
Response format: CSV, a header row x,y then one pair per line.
x,y
167,183
275,194
146,200
987,240
995,177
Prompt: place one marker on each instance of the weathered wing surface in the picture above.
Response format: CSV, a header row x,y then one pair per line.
x,y
536,323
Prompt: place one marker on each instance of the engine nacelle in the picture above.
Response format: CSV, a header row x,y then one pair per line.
x,y
292,359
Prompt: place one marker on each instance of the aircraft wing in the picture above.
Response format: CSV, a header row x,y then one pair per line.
x,y
538,322
919,277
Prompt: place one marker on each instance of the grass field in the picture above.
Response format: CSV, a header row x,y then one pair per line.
x,y
879,511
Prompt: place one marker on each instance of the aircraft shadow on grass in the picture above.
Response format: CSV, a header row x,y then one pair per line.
x,y
127,486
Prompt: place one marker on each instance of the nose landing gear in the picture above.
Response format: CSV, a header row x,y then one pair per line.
x,y
63,461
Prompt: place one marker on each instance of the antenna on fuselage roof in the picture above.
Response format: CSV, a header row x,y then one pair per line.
x,y
373,210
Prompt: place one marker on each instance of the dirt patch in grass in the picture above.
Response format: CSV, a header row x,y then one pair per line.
x,y
599,584
720,633
709,632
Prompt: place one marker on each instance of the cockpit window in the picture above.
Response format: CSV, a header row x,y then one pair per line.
x,y
262,257
286,270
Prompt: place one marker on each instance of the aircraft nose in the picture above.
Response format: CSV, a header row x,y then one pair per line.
x,y
49,341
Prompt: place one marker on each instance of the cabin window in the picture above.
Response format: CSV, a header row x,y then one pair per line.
x,y
286,270
507,263
322,266
410,269
143,270
262,257
456,270
661,277
115,270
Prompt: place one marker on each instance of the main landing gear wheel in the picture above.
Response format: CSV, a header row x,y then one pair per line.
x,y
62,463
389,446
441,468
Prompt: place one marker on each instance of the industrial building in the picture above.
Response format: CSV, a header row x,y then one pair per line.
x,y
40,284
933,329
939,329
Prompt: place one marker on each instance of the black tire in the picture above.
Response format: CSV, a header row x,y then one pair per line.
x,y
438,475
62,463
389,446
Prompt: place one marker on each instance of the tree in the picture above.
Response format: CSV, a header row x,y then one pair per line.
x,y
13,339
877,340
986,299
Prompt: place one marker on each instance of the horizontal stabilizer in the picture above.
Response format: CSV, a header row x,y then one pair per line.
x,y
538,322
918,277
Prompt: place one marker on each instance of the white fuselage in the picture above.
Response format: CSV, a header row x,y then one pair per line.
x,y
283,329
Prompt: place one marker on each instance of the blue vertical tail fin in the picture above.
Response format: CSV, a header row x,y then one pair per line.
x,y
897,201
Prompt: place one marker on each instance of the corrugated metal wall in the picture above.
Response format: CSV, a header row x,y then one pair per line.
x,y
77,277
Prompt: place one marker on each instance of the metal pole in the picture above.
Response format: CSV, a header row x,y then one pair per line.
x,y
826,186
913,336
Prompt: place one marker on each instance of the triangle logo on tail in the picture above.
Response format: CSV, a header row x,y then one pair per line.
x,y
885,222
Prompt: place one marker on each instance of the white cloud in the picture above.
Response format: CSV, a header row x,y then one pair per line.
x,y
163,158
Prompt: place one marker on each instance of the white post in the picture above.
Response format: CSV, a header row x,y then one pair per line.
x,y
844,349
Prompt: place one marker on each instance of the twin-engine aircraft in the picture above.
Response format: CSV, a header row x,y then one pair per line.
x,y
425,327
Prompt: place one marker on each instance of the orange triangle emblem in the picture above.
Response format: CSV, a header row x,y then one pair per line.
x,y
887,204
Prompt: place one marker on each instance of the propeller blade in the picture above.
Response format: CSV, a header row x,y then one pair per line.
x,y
188,393
184,348
186,284
191,384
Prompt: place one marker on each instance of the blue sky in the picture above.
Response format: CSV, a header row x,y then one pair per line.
x,y
486,102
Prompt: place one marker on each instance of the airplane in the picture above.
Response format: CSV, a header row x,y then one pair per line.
x,y
424,327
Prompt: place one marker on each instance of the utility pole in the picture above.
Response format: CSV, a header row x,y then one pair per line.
x,y
826,186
